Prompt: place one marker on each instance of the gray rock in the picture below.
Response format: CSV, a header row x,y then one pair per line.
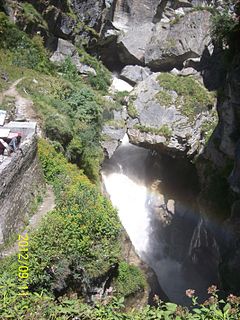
x,y
113,130
67,49
134,74
161,124
112,139
160,35
188,72
90,11
170,46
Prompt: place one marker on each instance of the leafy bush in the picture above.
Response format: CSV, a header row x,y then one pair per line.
x,y
70,111
84,224
27,52
223,26
69,70
103,78
58,129
130,280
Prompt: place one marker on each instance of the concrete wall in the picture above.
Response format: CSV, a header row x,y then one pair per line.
x,y
21,180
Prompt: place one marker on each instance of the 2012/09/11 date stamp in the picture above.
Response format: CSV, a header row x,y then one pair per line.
x,y
23,264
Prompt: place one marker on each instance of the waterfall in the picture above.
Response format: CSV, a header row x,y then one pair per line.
x,y
160,229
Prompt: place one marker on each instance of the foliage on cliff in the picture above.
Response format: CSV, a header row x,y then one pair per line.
x,y
225,24
24,52
68,105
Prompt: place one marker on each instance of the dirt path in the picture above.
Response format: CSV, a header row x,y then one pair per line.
x,y
24,106
47,206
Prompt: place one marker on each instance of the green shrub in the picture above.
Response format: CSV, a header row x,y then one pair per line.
x,y
84,223
84,106
69,112
69,70
29,53
130,280
58,129
103,78
223,27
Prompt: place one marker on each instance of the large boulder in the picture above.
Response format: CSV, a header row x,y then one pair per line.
x,y
172,44
66,49
119,85
171,113
161,35
134,74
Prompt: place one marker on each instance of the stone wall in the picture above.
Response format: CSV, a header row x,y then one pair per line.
x,y
21,181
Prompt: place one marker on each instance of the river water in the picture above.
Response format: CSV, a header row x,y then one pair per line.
x,y
156,201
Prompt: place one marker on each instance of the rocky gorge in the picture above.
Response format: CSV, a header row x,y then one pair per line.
x,y
175,95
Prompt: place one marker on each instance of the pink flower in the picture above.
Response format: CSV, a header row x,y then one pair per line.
x,y
190,293
212,289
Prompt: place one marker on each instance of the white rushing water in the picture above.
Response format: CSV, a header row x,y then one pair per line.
x,y
133,200
130,199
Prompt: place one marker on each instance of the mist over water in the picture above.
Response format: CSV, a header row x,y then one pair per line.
x,y
155,202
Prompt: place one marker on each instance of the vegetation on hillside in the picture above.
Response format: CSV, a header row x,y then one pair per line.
x,y
192,98
69,106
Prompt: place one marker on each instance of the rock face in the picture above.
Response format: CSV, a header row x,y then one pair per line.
x,y
21,181
114,130
160,118
157,34
219,166
224,144
171,45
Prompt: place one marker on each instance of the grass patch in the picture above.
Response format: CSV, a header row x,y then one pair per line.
x,y
117,124
175,20
25,52
164,98
212,10
31,15
192,99
8,104
164,130
209,126
132,111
